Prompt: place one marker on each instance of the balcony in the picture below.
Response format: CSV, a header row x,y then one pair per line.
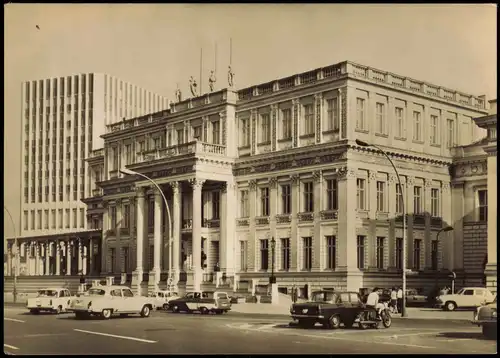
x,y
262,220
208,278
212,223
195,147
283,218
242,222
305,217
329,215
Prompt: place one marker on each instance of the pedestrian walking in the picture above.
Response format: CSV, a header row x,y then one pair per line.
x,y
399,297
394,300
295,293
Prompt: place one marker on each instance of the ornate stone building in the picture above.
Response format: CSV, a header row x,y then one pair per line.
x,y
278,163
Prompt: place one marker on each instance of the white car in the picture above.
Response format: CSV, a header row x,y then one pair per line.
x,y
162,297
467,297
105,301
55,300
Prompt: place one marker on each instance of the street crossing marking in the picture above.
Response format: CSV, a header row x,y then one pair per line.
x,y
9,346
116,336
13,320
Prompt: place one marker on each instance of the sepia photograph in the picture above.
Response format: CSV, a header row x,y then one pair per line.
x,y
250,179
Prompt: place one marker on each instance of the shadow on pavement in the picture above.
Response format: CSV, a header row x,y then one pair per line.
x,y
464,335
98,318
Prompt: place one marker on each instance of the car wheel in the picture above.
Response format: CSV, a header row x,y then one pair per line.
x,y
175,309
106,313
165,306
204,310
58,310
334,321
450,306
34,311
146,311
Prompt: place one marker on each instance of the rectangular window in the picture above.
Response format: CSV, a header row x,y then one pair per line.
x,y
286,202
25,217
307,252
264,201
114,153
53,219
39,219
332,114
380,118
308,197
361,193
128,154
434,129
450,136
180,136
126,216
66,218
380,196
215,205
113,217
285,254
361,251
82,218
417,126
482,196
416,253
216,132
380,252
32,217
360,113
243,255
331,194
434,255
264,254
245,132
45,219
331,252
60,218
196,133
435,203
399,253
399,199
244,204
286,124
308,119
75,218
265,128
417,199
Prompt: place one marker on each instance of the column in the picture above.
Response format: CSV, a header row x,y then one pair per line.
x,y
90,257
318,205
58,257
427,231
104,243
491,265
138,273
347,239
175,240
154,276
84,259
37,259
9,260
371,206
447,245
252,265
80,257
197,185
118,245
273,211
295,198
228,219
47,258
68,257
391,192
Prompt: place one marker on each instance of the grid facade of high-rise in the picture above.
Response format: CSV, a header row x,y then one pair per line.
x,y
63,119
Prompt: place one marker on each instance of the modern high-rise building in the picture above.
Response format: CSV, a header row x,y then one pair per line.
x,y
63,119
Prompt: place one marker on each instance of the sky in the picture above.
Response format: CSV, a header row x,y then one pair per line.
x,y
157,46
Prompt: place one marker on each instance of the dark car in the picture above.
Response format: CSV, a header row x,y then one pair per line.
x,y
204,302
328,308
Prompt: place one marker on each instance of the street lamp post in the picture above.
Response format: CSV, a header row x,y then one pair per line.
x,y
445,229
16,256
272,279
171,227
365,144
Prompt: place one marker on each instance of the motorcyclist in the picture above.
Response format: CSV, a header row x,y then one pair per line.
x,y
372,303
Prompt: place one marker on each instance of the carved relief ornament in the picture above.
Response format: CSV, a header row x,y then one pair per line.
x,y
344,173
428,183
445,187
393,179
294,178
272,182
317,175
252,184
174,185
410,181
373,175
196,182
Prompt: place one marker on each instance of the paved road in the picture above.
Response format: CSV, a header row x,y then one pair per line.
x,y
165,333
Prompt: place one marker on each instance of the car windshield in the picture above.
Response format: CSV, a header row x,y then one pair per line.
x,y
96,292
323,297
461,291
47,293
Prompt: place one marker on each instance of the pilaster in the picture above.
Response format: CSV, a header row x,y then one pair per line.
x,y
175,241
138,273
252,239
154,276
69,257
318,204
318,114
427,231
253,131
228,219
294,239
295,122
391,193
58,257
197,185
447,239
410,183
372,222
118,244
274,126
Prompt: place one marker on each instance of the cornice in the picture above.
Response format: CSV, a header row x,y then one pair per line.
x,y
486,122
418,158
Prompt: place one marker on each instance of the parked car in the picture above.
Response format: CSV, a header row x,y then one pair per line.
x,y
467,297
55,300
384,297
486,316
105,301
414,298
162,298
328,308
204,302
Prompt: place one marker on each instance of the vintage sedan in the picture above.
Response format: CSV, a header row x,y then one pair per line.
x,y
328,308
204,302
54,300
162,298
486,316
414,298
105,301
468,297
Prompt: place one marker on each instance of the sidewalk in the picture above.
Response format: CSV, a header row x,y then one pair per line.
x,y
413,312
